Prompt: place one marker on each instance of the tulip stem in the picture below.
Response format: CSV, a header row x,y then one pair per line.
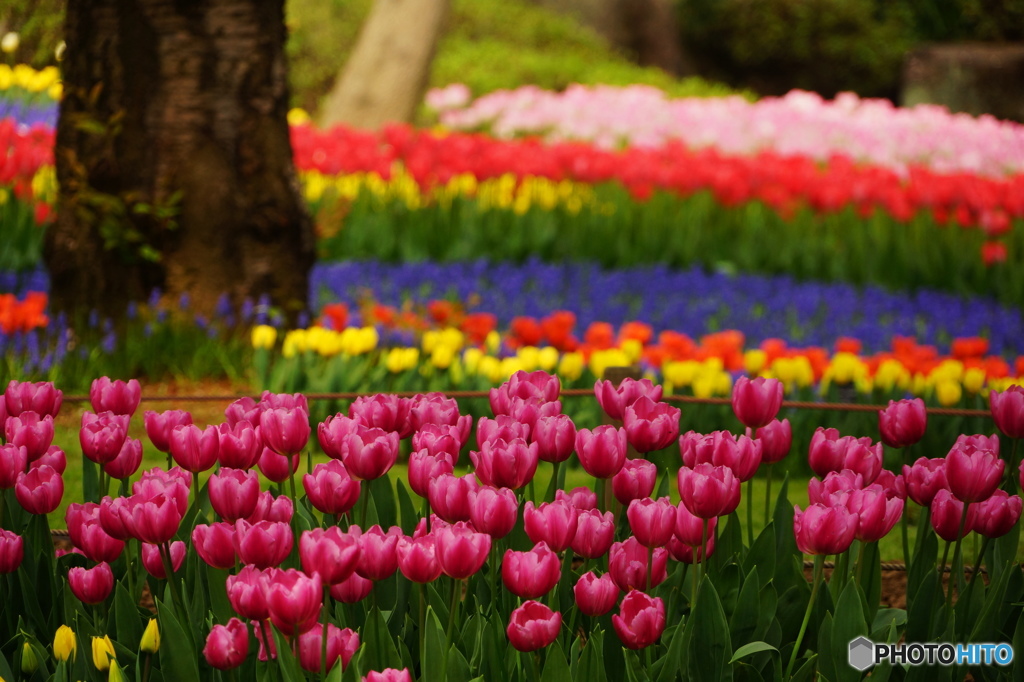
x,y
1010,487
956,559
600,484
768,496
364,504
750,512
554,477
323,632
423,618
974,576
165,558
3,504
904,521
699,559
942,565
819,566
454,607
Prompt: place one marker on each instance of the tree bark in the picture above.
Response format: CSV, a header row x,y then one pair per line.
x,y
174,159
384,79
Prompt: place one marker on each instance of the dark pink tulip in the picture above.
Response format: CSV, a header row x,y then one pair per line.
x,y
156,481
602,452
154,565
978,441
924,479
269,508
650,425
835,484
595,596
973,474
532,574
506,465
368,454
115,396
709,491
215,543
294,600
437,408
690,554
493,510
824,530
501,427
115,517
40,490
102,435
341,645
634,481
417,558
30,431
640,620
946,512
264,544
159,426
902,423
627,564
278,468
127,461
830,452
742,455
1008,410
378,557
227,646
247,592
876,512
614,401
437,439
283,401
382,411
388,675
449,496
12,551
653,521
91,585
552,522
83,522
533,626
776,440
240,445
595,533
425,467
264,646
330,489
54,457
332,431
756,402
13,462
25,396
330,553
195,449
524,385
461,551
234,493
155,520
285,431
998,514
555,437
529,411
3,411
353,590
893,485
689,528
582,498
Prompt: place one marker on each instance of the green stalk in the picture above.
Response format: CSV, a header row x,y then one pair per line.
x,y
942,564
974,576
956,558
600,485
768,497
904,520
819,565
3,503
750,512
554,477
1010,486
165,558
423,617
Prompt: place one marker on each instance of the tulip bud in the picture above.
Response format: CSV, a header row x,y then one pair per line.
x,y
41,398
102,652
388,675
501,427
330,553
150,638
159,426
533,626
425,467
776,440
555,437
640,621
595,533
627,564
127,461
115,396
40,490
332,431
240,445
353,590
614,400
973,474
835,484
532,574
29,662
650,425
602,452
13,462
65,644
634,481
215,544
902,423
742,455
195,449
876,512
437,408
830,452
946,512
369,454
653,521
227,646
449,496
378,558
461,551
102,435
595,596
269,508
582,498
690,528
417,558
824,530
263,544
153,562
382,411
756,402
552,522
234,493
30,431
294,600
438,440
341,645
247,592
285,431
330,489
690,554
709,491
91,585
506,464
924,479
493,510
998,514
1008,410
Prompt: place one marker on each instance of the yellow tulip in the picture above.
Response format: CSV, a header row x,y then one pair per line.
x,y
115,674
264,336
151,638
528,355
102,652
723,383
442,356
948,392
65,644
471,359
547,358
754,360
490,367
571,366
974,379
633,349
493,341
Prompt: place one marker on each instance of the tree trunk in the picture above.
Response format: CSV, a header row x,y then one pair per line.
x,y
384,79
174,158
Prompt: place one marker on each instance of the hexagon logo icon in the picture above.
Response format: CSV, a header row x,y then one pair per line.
x,y
861,656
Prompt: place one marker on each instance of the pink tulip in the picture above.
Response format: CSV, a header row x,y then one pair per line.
x,y
552,522
368,454
437,408
924,479
278,468
946,512
424,467
283,401
83,522
501,427
12,551
582,498
41,398
653,521
437,439
30,431
650,425
614,401
54,458
876,512
102,435
634,481
824,530
973,474
640,621
159,426
91,585
154,520
756,402
602,452
267,649
353,590
388,675
776,440
195,449
529,411
595,533
227,646
690,554
153,563
115,396
830,452
40,490
240,445
285,431
493,510
330,489
709,491
525,385
234,493
115,517
176,483
331,554
264,544
595,596
835,483
978,441
247,592
689,528
532,574
1008,410
215,544
294,600
893,485
378,558
902,423
13,462
269,508
742,455
449,496
460,550
506,465
417,558
128,460
533,626
341,645
998,514
627,564
332,431
382,411
555,437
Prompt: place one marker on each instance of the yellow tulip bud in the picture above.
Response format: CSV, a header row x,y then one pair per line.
x,y
547,358
528,357
29,661
102,652
264,336
65,644
974,379
948,392
493,341
150,638
490,367
442,356
754,361
633,349
571,366
115,674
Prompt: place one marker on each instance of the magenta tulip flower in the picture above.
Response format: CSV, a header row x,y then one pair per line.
x,y
640,620
756,402
388,675
627,564
533,626
13,462
460,550
893,485
154,564
653,521
835,488
234,493
1008,410
195,449
946,512
368,454
382,411
776,440
595,533
555,437
240,446
117,396
998,514
532,574
742,455
493,510
602,452
159,426
650,425
378,558
332,431
40,490
278,468
330,489
690,554
437,408
87,534
54,458
341,646
283,401
902,423
156,519
614,401
264,544
824,530
973,474
91,585
331,554
830,452
102,435
269,508
215,544
227,646
595,596
690,528
294,601
24,396
709,491
424,467
876,512
353,590
127,461
582,498
437,440
634,481
501,427
12,551
449,496
30,431
247,592
285,431
552,522
924,479
506,464
417,558
116,518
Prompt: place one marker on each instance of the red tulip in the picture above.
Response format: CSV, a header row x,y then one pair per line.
x,y
382,411
835,483
595,596
582,498
195,449
830,452
247,592
552,522
501,427
756,402
41,398
555,437
83,522
902,423
493,510
533,626
278,468
154,564
650,425
234,493
640,621
330,489
876,512
627,565
924,479
332,431
159,426
154,520
40,490
742,455
331,554
595,533
1008,410
998,514
264,544
115,396
946,512
689,528
709,491
294,600
634,481
532,574
653,521
388,675
824,530
227,646
353,590
776,440
13,462
437,439
269,508
506,465
449,496
369,453
378,558
127,461
91,585
285,431
341,645
240,445
215,544
460,550
102,435
602,452
417,558
30,431
973,474
12,551
614,401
